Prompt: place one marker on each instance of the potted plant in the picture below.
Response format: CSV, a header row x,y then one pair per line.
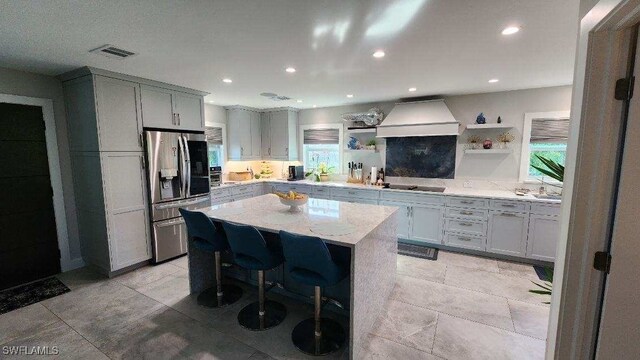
x,y
551,168
474,141
371,144
321,173
504,139
546,287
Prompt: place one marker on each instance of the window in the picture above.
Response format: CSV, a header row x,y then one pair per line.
x,y
321,146
215,146
545,134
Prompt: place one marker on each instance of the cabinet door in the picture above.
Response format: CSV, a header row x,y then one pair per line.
x,y
189,109
256,137
426,223
126,204
118,109
157,107
279,135
404,218
507,233
239,134
543,237
265,134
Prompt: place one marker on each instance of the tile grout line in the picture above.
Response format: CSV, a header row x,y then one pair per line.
x,y
463,318
76,331
435,332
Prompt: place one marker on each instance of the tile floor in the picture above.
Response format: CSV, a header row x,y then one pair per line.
x,y
459,307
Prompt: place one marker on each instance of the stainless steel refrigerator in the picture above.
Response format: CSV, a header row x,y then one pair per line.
x,y
178,176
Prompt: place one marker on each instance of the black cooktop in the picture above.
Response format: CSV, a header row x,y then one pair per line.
x,y
437,189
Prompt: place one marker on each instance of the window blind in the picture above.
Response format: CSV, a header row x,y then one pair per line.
x,y
214,135
549,130
321,136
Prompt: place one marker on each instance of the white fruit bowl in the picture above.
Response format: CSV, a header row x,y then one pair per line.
x,y
295,203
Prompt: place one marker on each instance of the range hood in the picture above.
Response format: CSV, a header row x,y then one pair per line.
x,y
420,118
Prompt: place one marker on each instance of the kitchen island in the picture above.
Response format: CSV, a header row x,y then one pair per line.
x,y
367,233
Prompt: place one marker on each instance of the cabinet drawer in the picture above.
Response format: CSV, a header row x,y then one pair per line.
x,y
471,214
304,189
465,241
545,209
355,200
220,192
355,193
468,202
242,189
411,197
509,205
470,227
321,192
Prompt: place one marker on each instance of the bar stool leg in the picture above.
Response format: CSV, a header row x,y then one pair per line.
x,y
262,314
219,295
318,336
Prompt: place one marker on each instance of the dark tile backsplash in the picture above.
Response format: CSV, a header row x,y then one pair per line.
x,y
422,156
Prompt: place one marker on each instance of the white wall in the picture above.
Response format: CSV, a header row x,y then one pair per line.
x,y
509,105
214,114
41,86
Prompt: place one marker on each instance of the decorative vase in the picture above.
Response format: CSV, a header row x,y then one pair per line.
x,y
324,177
502,145
475,146
499,120
481,119
487,144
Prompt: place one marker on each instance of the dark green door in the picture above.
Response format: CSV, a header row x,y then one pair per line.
x,y
28,241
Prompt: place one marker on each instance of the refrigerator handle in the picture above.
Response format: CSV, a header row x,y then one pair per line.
x,y
187,167
183,171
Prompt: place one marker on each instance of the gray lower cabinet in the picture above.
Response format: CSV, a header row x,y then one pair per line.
x,y
403,216
426,223
508,232
543,236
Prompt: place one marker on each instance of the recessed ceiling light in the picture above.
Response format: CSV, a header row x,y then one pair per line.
x,y
314,105
493,81
228,81
412,89
349,95
510,30
298,101
290,69
378,54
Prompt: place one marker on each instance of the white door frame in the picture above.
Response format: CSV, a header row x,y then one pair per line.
x,y
589,186
53,157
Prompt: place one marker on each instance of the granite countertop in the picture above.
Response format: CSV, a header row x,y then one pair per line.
x,y
267,213
449,191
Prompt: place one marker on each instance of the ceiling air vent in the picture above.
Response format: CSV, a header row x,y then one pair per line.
x,y
275,97
113,52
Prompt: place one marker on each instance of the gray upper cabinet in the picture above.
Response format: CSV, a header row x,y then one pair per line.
x,y
169,109
244,134
118,113
281,138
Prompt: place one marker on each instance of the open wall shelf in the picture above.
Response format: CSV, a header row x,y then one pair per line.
x,y
488,151
488,126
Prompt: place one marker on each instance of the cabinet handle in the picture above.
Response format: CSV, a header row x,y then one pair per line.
x,y
508,205
408,211
466,213
241,151
464,238
351,192
466,202
269,151
141,140
173,120
508,214
465,224
287,151
142,162
178,119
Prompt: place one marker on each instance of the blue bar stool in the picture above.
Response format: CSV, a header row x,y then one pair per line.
x,y
206,237
251,251
309,261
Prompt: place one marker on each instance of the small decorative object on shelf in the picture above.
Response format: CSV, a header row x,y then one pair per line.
x,y
504,139
474,141
480,119
499,120
354,144
371,144
487,144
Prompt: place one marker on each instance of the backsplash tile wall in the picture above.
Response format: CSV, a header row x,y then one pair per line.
x,y
422,156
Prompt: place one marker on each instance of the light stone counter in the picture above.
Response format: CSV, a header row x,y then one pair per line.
x,y
449,191
369,231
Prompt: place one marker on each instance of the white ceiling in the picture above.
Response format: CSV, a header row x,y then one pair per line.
x,y
438,46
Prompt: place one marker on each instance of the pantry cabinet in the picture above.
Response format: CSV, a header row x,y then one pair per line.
x,y
279,135
170,109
